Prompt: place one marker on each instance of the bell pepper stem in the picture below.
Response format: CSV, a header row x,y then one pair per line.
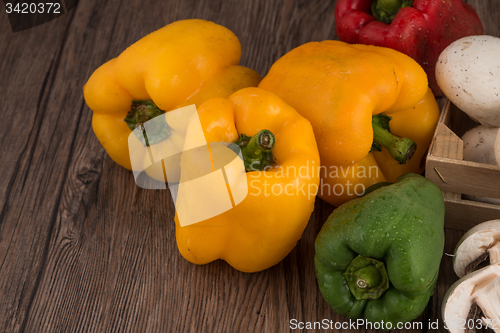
x,y
401,149
256,150
140,112
386,10
367,278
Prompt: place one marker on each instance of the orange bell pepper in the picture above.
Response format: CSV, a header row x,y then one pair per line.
x,y
263,228
183,63
340,89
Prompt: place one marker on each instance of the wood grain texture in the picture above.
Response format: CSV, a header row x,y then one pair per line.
x,y
444,144
464,214
449,175
82,248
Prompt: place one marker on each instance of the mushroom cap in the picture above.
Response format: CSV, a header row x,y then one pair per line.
x,y
467,72
474,243
478,144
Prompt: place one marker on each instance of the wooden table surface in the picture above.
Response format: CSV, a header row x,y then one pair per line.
x,y
82,248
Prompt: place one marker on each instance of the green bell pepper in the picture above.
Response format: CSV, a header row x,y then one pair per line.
x,y
377,257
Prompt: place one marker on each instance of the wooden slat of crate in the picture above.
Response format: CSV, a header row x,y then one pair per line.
x,y
446,168
464,214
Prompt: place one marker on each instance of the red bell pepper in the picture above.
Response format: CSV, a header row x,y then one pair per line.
x,y
421,29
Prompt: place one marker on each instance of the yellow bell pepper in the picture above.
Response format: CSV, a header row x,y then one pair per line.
x,y
183,63
263,228
345,91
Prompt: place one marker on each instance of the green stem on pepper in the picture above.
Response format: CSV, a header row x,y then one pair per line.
x,y
367,278
140,112
386,10
401,149
256,150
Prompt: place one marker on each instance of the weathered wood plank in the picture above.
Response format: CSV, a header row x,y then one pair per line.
x,y
29,191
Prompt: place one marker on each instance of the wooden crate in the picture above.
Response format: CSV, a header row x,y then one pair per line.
x,y
454,176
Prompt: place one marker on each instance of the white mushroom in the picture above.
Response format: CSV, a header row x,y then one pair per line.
x,y
479,243
480,146
479,290
468,72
